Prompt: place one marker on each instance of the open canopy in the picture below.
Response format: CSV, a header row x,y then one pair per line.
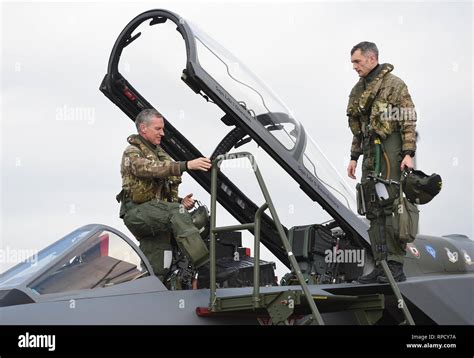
x,y
253,111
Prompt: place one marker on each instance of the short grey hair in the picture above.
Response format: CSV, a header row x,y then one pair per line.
x,y
145,117
365,47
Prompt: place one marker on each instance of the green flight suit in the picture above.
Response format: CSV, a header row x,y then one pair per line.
x,y
380,107
151,208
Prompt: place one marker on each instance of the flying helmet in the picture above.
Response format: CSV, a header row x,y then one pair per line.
x,y
420,188
200,217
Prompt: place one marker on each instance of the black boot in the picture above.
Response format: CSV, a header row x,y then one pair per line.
x,y
396,268
371,277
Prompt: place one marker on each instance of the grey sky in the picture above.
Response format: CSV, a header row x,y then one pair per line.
x,y
61,139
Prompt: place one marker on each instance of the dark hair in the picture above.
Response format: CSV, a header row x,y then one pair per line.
x,y
365,47
145,116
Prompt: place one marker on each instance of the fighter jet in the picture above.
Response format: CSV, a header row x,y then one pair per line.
x,y
92,274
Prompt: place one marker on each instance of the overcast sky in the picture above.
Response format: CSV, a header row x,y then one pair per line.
x,y
62,139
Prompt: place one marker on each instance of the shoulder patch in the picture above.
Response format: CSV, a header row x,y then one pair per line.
x,y
131,149
394,80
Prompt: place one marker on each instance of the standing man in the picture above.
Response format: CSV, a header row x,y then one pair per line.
x,y
382,119
150,206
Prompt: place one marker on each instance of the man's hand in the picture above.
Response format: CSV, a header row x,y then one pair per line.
x,y
188,201
407,162
203,164
351,169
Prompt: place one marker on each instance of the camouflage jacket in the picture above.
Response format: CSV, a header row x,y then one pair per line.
x,y
381,105
148,172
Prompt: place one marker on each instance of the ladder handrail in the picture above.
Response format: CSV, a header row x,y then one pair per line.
x,y
400,301
316,315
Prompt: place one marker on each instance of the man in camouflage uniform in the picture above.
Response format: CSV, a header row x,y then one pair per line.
x,y
150,206
382,119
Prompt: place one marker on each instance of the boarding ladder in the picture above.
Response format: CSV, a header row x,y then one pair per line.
x,y
281,306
